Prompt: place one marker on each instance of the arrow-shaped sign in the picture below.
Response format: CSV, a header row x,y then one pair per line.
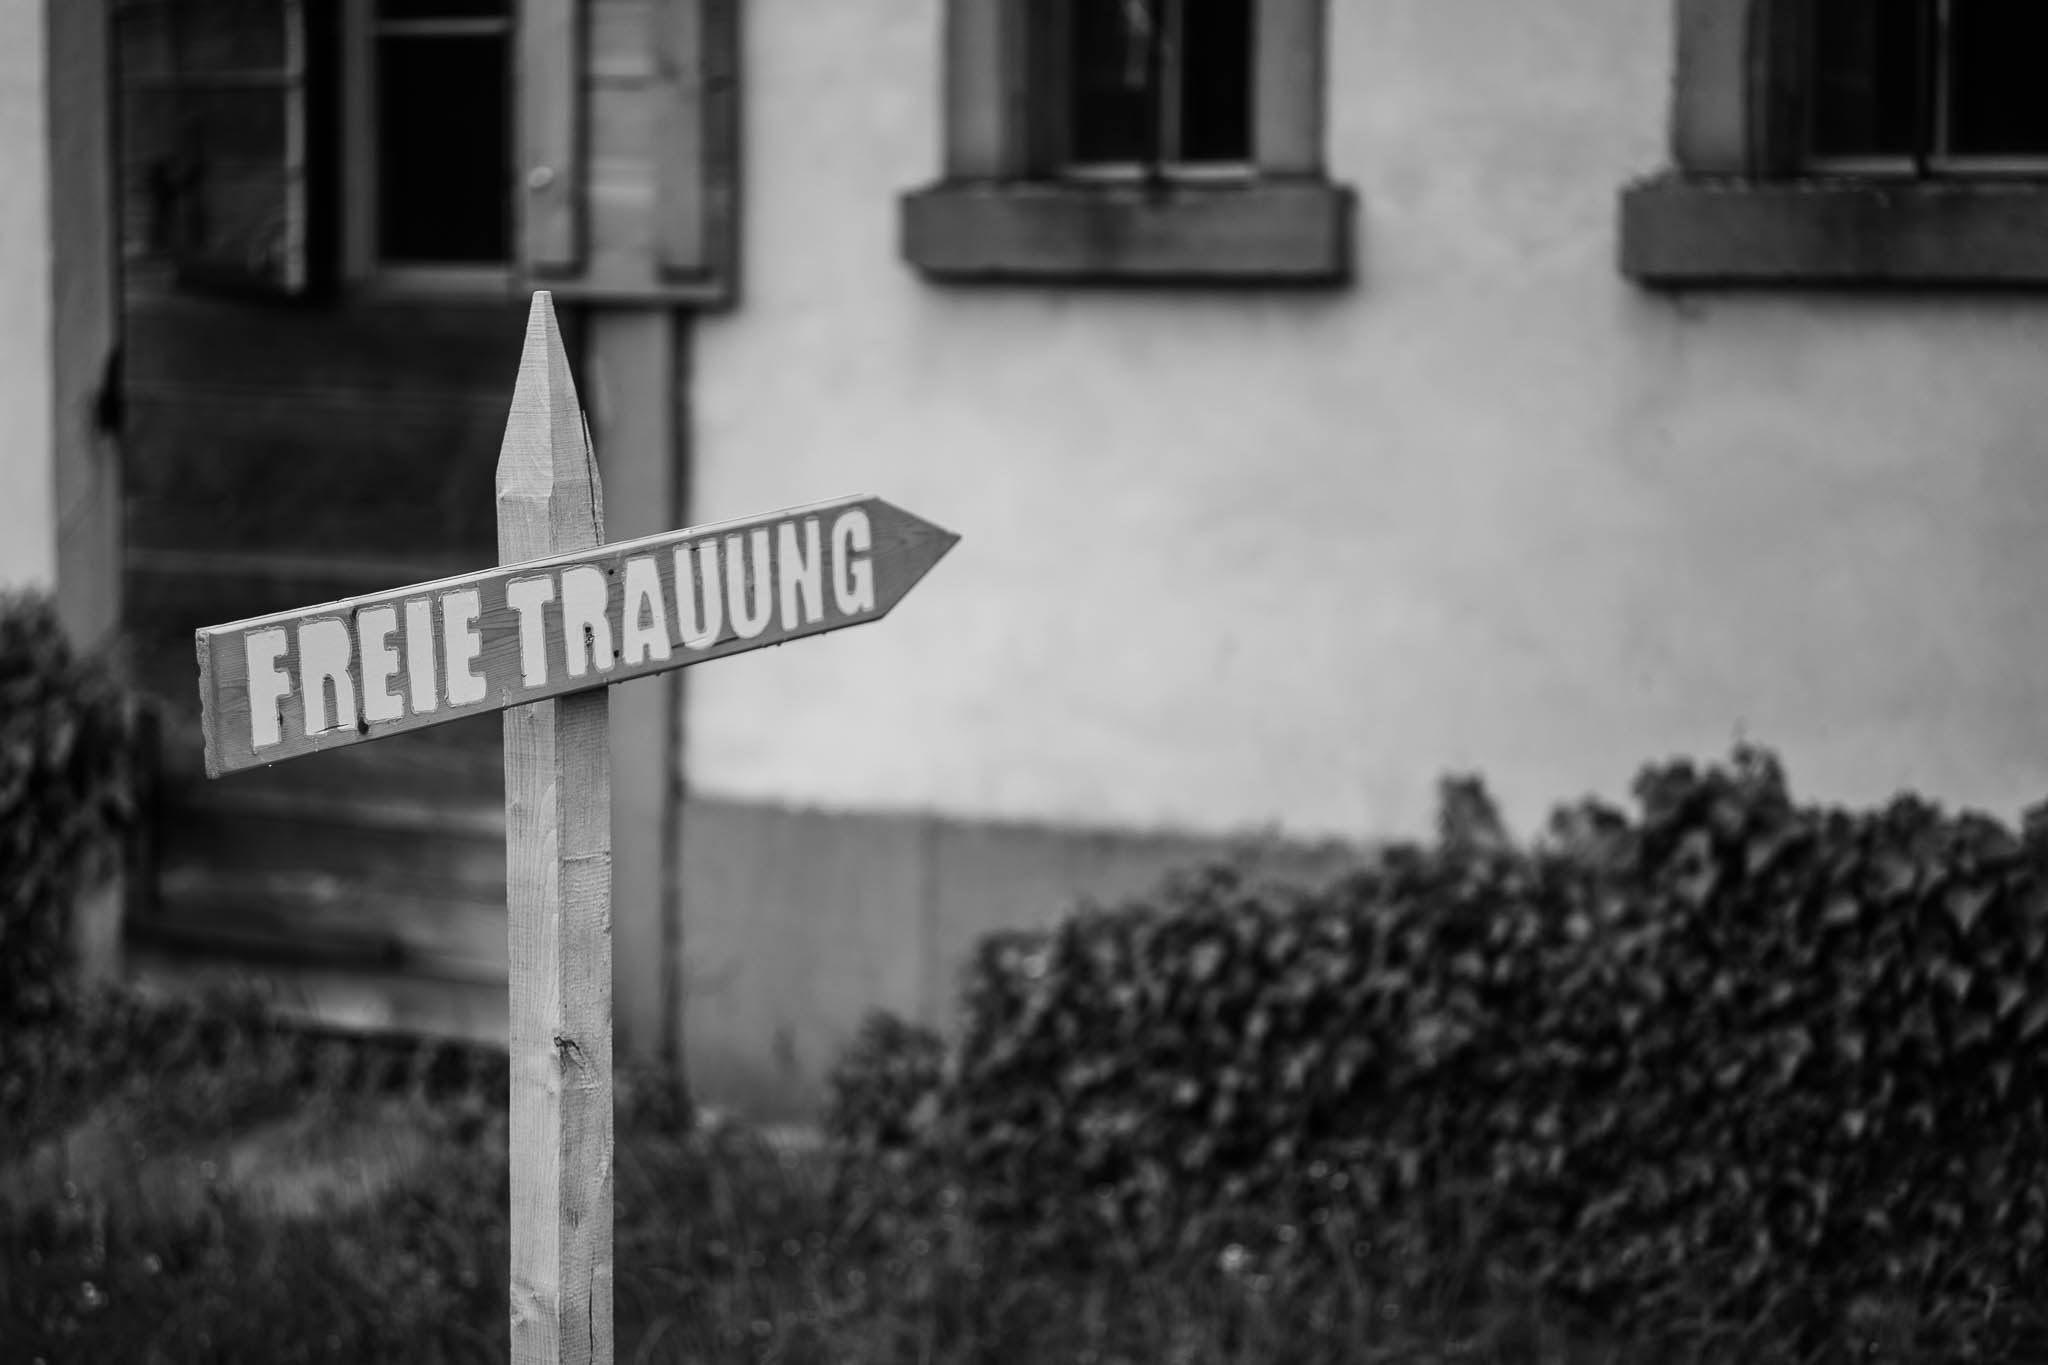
x,y
296,682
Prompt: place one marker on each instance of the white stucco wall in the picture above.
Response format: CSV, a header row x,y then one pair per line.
x,y
1232,559
28,544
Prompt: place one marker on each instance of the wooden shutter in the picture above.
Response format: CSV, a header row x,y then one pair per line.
x,y
215,132
629,149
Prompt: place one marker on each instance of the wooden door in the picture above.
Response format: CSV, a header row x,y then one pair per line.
x,y
296,432
279,458
318,367
285,457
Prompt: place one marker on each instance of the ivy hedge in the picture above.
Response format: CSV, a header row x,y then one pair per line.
x,y
65,795
1723,1052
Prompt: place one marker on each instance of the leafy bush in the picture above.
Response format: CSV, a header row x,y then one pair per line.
x,y
64,795
1725,1051
885,1090
140,1253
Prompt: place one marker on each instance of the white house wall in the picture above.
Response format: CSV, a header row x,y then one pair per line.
x,y
1238,559
60,471
28,538
1255,560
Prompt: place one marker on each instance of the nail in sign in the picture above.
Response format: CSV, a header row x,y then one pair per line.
x,y
274,687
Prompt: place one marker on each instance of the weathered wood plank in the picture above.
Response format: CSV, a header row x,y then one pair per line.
x,y
370,346
558,872
312,918
355,1001
355,430
298,682
310,472
275,837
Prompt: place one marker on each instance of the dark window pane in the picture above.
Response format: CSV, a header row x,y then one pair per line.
x,y
444,149
229,35
443,9
1216,80
1114,68
1868,60
1997,101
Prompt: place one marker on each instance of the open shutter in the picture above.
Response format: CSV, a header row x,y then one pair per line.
x,y
629,149
216,140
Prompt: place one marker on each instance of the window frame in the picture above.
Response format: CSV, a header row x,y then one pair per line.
x,y
1007,206
1743,205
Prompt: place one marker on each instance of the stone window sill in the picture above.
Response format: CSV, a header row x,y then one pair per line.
x,y
1679,232
1260,232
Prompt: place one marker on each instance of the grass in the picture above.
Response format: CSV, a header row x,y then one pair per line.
x,y
205,1186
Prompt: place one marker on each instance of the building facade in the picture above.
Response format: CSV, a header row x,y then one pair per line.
x,y
1672,394
1329,393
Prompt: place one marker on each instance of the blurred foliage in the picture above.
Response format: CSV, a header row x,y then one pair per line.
x,y
728,1247
65,795
1733,1076
1724,1057
92,1270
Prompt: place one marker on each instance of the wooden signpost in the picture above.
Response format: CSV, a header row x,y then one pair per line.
x,y
540,638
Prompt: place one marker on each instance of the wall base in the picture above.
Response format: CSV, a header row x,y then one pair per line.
x,y
798,923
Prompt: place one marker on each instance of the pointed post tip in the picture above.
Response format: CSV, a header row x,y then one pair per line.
x,y
546,458
542,326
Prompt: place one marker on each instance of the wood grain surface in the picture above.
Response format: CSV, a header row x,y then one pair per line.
x,y
388,662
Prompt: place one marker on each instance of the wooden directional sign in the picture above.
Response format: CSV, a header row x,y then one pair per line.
x,y
296,682
540,638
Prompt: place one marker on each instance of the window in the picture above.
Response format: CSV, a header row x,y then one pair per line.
x,y
1144,140
1927,87
1158,87
429,141
287,147
1850,141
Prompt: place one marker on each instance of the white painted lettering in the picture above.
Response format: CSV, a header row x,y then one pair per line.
x,y
801,570
644,622
527,596
460,645
269,685
700,606
374,628
420,671
749,580
853,580
586,634
323,659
